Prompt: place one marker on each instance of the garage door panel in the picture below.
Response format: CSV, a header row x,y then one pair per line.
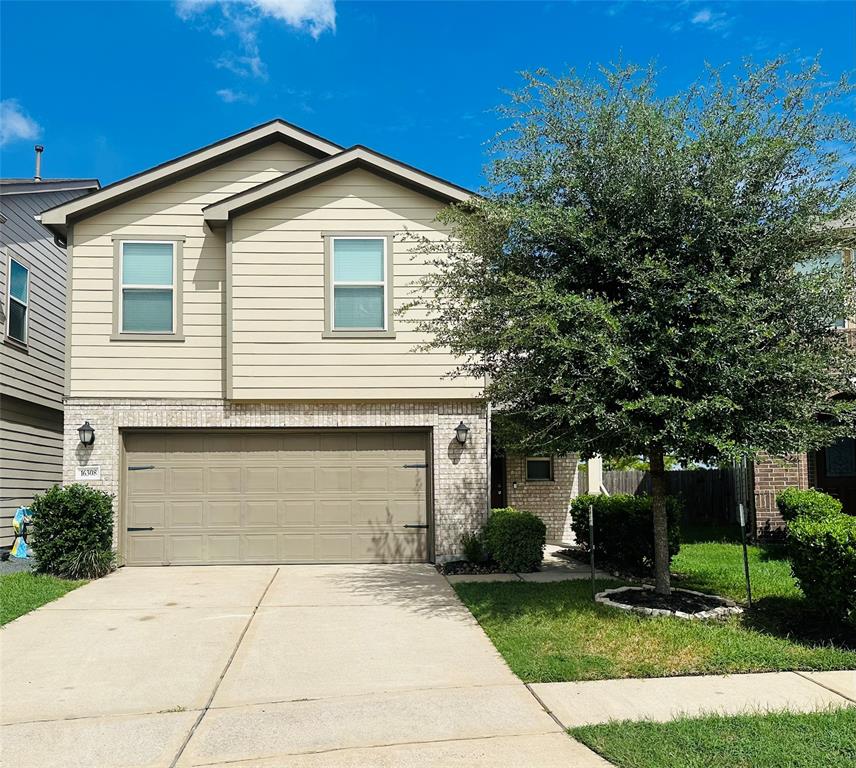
x,y
146,444
332,478
259,479
407,479
147,549
261,514
259,548
186,514
147,481
186,548
143,514
334,547
298,547
299,478
335,512
369,479
224,479
298,512
277,497
186,480
224,548
224,514
337,442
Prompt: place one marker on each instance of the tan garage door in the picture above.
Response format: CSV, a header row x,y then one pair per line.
x,y
276,497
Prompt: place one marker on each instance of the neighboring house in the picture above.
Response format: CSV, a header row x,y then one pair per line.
x,y
832,469
254,396
32,286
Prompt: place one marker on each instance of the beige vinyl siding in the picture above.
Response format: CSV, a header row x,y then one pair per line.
x,y
278,298
30,456
192,368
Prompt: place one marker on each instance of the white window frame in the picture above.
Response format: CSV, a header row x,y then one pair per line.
x,y
333,283
172,286
539,479
10,299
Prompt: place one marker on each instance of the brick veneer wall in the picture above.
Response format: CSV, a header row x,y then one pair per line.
x,y
549,499
459,474
773,474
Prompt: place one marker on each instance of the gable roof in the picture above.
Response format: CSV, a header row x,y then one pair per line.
x,y
217,214
56,219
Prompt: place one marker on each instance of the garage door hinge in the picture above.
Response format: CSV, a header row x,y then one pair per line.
x,y
141,466
415,466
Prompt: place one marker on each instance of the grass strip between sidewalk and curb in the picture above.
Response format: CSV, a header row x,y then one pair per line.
x,y
769,740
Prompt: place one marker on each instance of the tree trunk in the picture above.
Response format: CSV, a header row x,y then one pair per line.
x,y
661,523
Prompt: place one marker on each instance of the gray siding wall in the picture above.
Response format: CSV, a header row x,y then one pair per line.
x,y
34,374
30,456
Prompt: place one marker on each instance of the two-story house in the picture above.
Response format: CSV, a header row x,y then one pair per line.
x,y
32,359
234,345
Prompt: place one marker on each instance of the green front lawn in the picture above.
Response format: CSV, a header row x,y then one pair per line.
x,y
23,592
779,740
553,632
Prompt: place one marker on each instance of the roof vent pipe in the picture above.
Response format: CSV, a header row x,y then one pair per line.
x,y
38,175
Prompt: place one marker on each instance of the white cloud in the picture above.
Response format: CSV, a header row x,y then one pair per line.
x,y
242,19
715,21
16,124
232,97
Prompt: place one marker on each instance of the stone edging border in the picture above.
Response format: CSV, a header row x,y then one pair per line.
x,y
727,608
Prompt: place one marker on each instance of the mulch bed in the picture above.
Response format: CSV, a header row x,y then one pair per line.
x,y
460,567
682,603
679,600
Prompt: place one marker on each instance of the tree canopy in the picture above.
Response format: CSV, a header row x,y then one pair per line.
x,y
649,273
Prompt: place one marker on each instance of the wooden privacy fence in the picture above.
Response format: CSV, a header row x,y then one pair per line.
x,y
707,495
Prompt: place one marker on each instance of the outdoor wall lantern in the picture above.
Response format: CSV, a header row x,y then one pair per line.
x,y
461,432
87,434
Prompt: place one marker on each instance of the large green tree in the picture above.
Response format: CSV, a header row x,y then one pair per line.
x,y
648,275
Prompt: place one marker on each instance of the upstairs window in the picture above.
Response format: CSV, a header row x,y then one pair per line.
x,y
148,301
18,309
358,285
539,468
829,261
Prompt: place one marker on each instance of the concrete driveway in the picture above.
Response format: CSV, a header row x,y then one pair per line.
x,y
255,666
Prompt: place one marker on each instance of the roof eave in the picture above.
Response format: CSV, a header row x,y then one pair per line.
x,y
187,165
218,214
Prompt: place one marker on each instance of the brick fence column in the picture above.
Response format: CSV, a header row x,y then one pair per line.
x,y
774,474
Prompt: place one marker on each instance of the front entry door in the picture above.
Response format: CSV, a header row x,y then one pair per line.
x,y
498,495
836,472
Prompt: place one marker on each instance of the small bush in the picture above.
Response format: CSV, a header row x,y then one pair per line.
x,y
515,540
822,550
473,547
73,532
623,528
793,503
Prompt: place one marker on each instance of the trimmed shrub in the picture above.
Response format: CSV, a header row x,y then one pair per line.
x,y
515,539
623,529
473,547
72,533
822,551
793,503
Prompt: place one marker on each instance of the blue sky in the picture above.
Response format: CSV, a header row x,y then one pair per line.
x,y
111,88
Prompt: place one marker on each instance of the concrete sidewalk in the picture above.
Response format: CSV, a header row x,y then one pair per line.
x,y
257,666
667,698
554,568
